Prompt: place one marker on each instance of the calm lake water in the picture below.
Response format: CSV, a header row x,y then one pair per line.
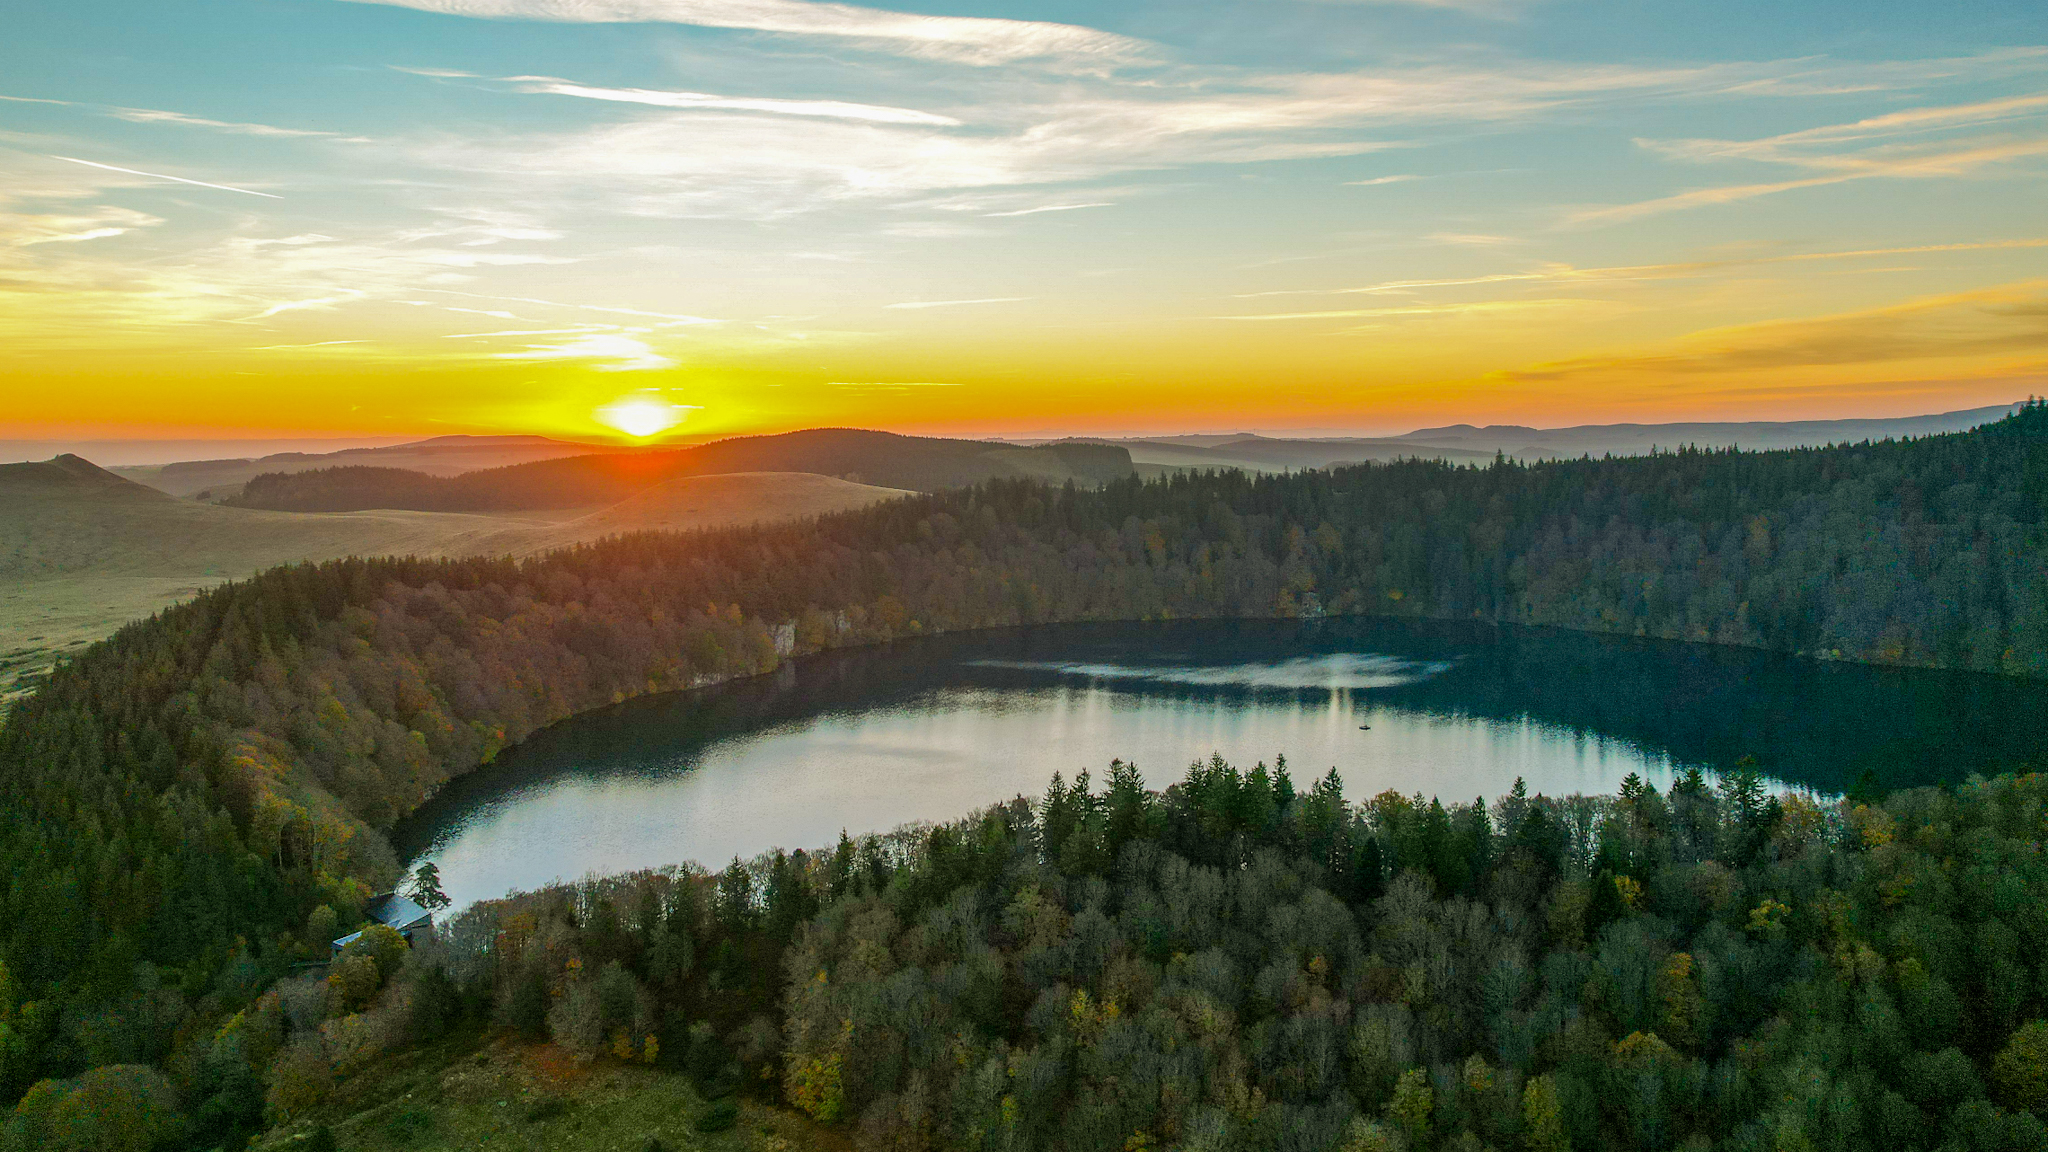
x,y
932,729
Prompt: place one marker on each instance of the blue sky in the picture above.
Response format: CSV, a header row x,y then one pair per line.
x,y
508,214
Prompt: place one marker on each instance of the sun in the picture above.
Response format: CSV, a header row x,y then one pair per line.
x,y
641,416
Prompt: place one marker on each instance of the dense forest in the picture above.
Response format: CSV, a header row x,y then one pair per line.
x,y
919,463
1240,963
195,804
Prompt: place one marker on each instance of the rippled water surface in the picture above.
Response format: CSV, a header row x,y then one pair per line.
x,y
931,729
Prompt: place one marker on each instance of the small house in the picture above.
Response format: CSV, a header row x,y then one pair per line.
x,y
393,911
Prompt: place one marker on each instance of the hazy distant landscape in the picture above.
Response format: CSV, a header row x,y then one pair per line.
x,y
1463,442
87,551
87,554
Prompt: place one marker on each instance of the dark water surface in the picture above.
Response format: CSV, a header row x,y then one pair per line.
x,y
930,729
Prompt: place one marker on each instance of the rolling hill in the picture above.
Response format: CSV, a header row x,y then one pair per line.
x,y
83,551
439,456
882,458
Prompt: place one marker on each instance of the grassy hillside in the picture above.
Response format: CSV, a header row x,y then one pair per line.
x,y
533,1098
440,456
83,551
909,462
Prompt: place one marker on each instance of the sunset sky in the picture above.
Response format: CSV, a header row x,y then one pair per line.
x,y
397,217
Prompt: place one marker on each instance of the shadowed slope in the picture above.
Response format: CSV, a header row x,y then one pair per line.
x,y
883,458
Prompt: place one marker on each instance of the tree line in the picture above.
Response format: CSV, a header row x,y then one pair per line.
x,y
186,808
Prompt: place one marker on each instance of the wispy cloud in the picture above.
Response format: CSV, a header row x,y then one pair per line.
x,y
830,109
161,116
1379,180
671,318
1499,9
345,296
577,331
1961,162
1471,239
963,39
1471,308
2008,319
175,179
892,385
60,294
1568,274
1792,147
158,116
21,230
957,303
1024,128
1051,208
1890,146
607,352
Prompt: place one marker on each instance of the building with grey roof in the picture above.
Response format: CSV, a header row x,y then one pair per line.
x,y
393,911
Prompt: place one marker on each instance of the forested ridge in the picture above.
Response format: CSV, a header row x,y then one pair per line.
x,y
921,463
197,802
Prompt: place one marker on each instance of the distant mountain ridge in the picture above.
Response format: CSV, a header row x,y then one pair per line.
x,y
1459,443
1517,440
877,458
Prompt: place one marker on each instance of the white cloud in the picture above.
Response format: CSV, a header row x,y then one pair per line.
x,y
963,39
1893,146
62,294
1919,163
21,230
609,353
345,296
829,109
1051,208
1500,9
670,319
158,116
1024,129
174,179
576,331
1809,147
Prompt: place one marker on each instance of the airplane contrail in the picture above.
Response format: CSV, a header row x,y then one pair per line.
x,y
161,176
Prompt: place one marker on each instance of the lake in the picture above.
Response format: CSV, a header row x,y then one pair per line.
x,y
931,729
